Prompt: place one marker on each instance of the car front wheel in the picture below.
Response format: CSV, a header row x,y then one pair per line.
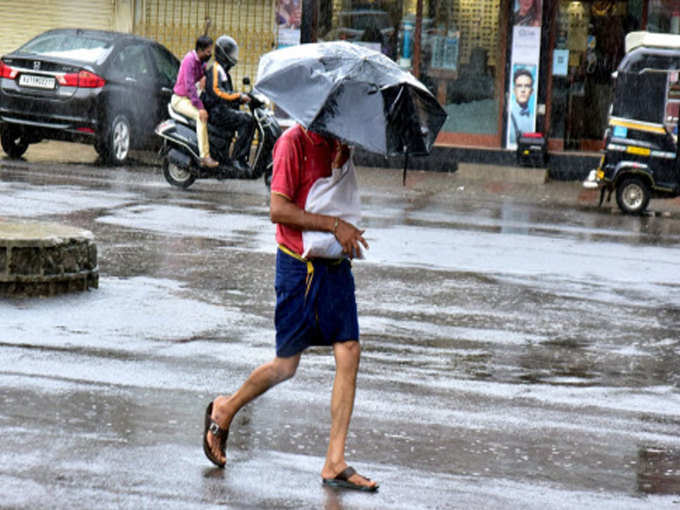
x,y
13,141
632,195
115,147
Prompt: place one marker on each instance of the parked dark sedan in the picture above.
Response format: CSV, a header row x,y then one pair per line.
x,y
106,88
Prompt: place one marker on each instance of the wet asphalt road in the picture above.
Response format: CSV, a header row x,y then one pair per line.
x,y
520,349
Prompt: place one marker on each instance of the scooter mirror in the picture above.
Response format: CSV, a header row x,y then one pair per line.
x,y
246,80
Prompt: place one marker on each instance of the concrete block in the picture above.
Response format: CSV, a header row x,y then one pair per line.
x,y
45,259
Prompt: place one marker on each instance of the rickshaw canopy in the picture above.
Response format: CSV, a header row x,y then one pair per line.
x,y
651,40
646,51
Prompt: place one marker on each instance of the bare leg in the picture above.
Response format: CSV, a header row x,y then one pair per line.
x,y
347,356
260,380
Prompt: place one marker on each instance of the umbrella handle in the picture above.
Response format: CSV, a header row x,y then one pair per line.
x,y
403,177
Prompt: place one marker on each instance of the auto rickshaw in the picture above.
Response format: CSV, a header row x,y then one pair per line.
x,y
640,153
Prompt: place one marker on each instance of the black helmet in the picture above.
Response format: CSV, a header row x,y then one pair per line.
x,y
226,51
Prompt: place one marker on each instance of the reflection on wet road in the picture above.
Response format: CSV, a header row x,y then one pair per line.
x,y
516,353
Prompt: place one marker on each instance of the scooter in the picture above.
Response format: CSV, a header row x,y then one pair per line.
x,y
180,155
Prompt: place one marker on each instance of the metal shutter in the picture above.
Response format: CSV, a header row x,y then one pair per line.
x,y
22,19
177,23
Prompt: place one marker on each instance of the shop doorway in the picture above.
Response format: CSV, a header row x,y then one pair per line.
x,y
588,46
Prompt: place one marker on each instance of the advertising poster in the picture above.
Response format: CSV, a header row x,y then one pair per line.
x,y
525,55
288,19
522,110
560,62
527,13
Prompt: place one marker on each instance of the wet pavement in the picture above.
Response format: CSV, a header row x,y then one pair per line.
x,y
520,348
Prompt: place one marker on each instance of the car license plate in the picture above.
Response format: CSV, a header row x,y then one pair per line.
x,y
38,82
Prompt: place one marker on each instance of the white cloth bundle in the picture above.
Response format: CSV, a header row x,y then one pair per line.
x,y
337,195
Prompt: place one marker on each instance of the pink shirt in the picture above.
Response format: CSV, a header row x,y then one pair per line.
x,y
300,158
190,71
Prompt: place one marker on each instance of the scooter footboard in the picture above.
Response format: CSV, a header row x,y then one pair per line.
x,y
179,135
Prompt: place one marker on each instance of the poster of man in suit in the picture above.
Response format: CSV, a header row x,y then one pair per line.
x,y
522,101
523,80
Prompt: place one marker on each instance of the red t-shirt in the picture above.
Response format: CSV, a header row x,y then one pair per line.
x,y
300,158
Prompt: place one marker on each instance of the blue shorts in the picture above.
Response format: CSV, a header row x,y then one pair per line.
x,y
315,303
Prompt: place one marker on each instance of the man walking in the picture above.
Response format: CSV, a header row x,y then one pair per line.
x,y
185,98
315,302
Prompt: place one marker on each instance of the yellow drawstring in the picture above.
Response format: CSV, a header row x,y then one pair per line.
x,y
310,266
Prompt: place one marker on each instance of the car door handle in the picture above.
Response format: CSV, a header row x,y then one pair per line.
x,y
166,89
130,79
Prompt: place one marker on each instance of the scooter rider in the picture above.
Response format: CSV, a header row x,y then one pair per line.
x,y
185,98
222,101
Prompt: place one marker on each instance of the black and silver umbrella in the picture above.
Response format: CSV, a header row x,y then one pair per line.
x,y
352,93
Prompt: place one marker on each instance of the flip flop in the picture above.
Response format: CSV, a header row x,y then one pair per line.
x,y
341,481
211,426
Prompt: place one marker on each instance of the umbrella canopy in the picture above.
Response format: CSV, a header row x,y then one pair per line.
x,y
352,93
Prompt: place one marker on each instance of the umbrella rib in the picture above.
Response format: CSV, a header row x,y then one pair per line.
x,y
396,101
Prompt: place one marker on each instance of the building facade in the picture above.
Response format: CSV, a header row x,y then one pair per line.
x,y
496,66
177,23
174,23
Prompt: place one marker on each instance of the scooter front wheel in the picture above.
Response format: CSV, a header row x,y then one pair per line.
x,y
177,176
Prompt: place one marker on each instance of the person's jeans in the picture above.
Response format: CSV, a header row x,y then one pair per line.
x,y
183,105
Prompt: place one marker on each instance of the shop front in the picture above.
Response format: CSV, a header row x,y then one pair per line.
x,y
459,55
500,67
585,48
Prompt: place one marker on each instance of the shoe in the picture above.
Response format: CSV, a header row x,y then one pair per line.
x,y
211,427
209,162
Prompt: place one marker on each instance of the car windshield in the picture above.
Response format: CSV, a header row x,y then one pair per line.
x,y
68,45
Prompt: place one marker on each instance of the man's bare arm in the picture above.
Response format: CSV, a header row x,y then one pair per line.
x,y
286,212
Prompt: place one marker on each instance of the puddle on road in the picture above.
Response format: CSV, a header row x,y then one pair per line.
x,y
658,470
483,325
250,230
509,242
27,201
122,314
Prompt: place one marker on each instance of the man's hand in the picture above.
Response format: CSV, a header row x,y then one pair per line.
x,y
203,115
349,237
284,211
245,98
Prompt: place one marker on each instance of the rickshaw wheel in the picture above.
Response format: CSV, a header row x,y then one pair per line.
x,y
632,195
